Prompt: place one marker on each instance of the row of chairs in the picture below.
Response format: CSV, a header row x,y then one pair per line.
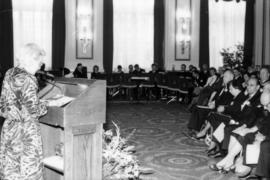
x,y
170,81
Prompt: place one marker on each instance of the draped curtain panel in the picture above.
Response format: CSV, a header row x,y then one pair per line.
x,y
262,32
133,31
58,34
6,35
249,33
32,22
226,27
108,35
204,34
159,28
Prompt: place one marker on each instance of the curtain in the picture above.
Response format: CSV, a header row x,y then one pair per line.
x,y
32,22
226,27
159,26
108,36
262,33
6,35
249,33
58,34
204,34
133,31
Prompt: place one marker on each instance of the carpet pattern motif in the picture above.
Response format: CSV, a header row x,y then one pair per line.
x,y
160,142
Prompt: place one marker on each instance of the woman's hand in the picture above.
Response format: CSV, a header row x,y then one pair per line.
x,y
220,109
211,104
233,122
259,137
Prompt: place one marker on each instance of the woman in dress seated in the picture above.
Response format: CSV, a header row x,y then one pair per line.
x,y
241,137
224,114
219,97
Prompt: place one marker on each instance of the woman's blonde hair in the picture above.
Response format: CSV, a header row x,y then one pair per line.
x,y
30,50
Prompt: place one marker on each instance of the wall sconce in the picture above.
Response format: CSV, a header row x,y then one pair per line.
x,y
84,29
182,29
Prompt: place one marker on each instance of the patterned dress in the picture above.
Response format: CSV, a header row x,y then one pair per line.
x,y
21,145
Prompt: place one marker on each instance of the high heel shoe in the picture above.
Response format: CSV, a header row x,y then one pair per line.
x,y
209,151
226,170
214,167
199,136
216,154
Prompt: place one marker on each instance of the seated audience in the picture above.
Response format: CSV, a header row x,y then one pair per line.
x,y
95,72
191,68
238,76
218,97
154,69
264,76
246,77
42,76
183,68
119,69
243,136
214,82
130,69
236,114
213,77
204,74
138,70
79,72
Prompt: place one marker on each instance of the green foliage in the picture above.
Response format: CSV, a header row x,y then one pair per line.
x,y
119,162
233,56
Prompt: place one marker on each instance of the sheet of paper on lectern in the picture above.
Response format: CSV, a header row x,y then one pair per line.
x,y
54,162
60,100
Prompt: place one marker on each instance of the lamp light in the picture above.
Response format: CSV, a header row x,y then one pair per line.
x,y
84,29
183,20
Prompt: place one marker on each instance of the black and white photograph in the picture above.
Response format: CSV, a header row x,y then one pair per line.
x,y
134,89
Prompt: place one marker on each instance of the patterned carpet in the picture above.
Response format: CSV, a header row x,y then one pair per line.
x,y
160,142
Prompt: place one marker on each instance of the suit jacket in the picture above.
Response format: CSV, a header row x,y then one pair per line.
x,y
223,97
234,107
250,112
239,80
263,123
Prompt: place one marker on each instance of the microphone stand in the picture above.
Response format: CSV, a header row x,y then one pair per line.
x,y
53,86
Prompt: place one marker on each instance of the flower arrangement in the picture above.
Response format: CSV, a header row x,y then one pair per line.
x,y
119,161
233,56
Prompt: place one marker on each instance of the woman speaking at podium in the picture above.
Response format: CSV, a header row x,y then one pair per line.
x,y
21,145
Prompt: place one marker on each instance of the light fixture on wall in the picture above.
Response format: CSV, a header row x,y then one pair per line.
x,y
85,34
183,34
84,29
183,29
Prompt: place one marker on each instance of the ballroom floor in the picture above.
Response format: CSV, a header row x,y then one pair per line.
x,y
160,142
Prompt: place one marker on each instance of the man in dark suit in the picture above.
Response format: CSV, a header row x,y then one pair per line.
x,y
204,75
247,114
219,97
237,76
138,70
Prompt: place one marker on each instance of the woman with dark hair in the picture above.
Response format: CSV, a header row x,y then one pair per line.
x,y
221,96
95,73
120,69
80,71
224,114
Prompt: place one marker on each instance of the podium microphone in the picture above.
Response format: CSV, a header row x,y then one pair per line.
x,y
53,86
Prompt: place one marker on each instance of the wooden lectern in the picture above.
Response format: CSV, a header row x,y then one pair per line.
x,y
77,125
